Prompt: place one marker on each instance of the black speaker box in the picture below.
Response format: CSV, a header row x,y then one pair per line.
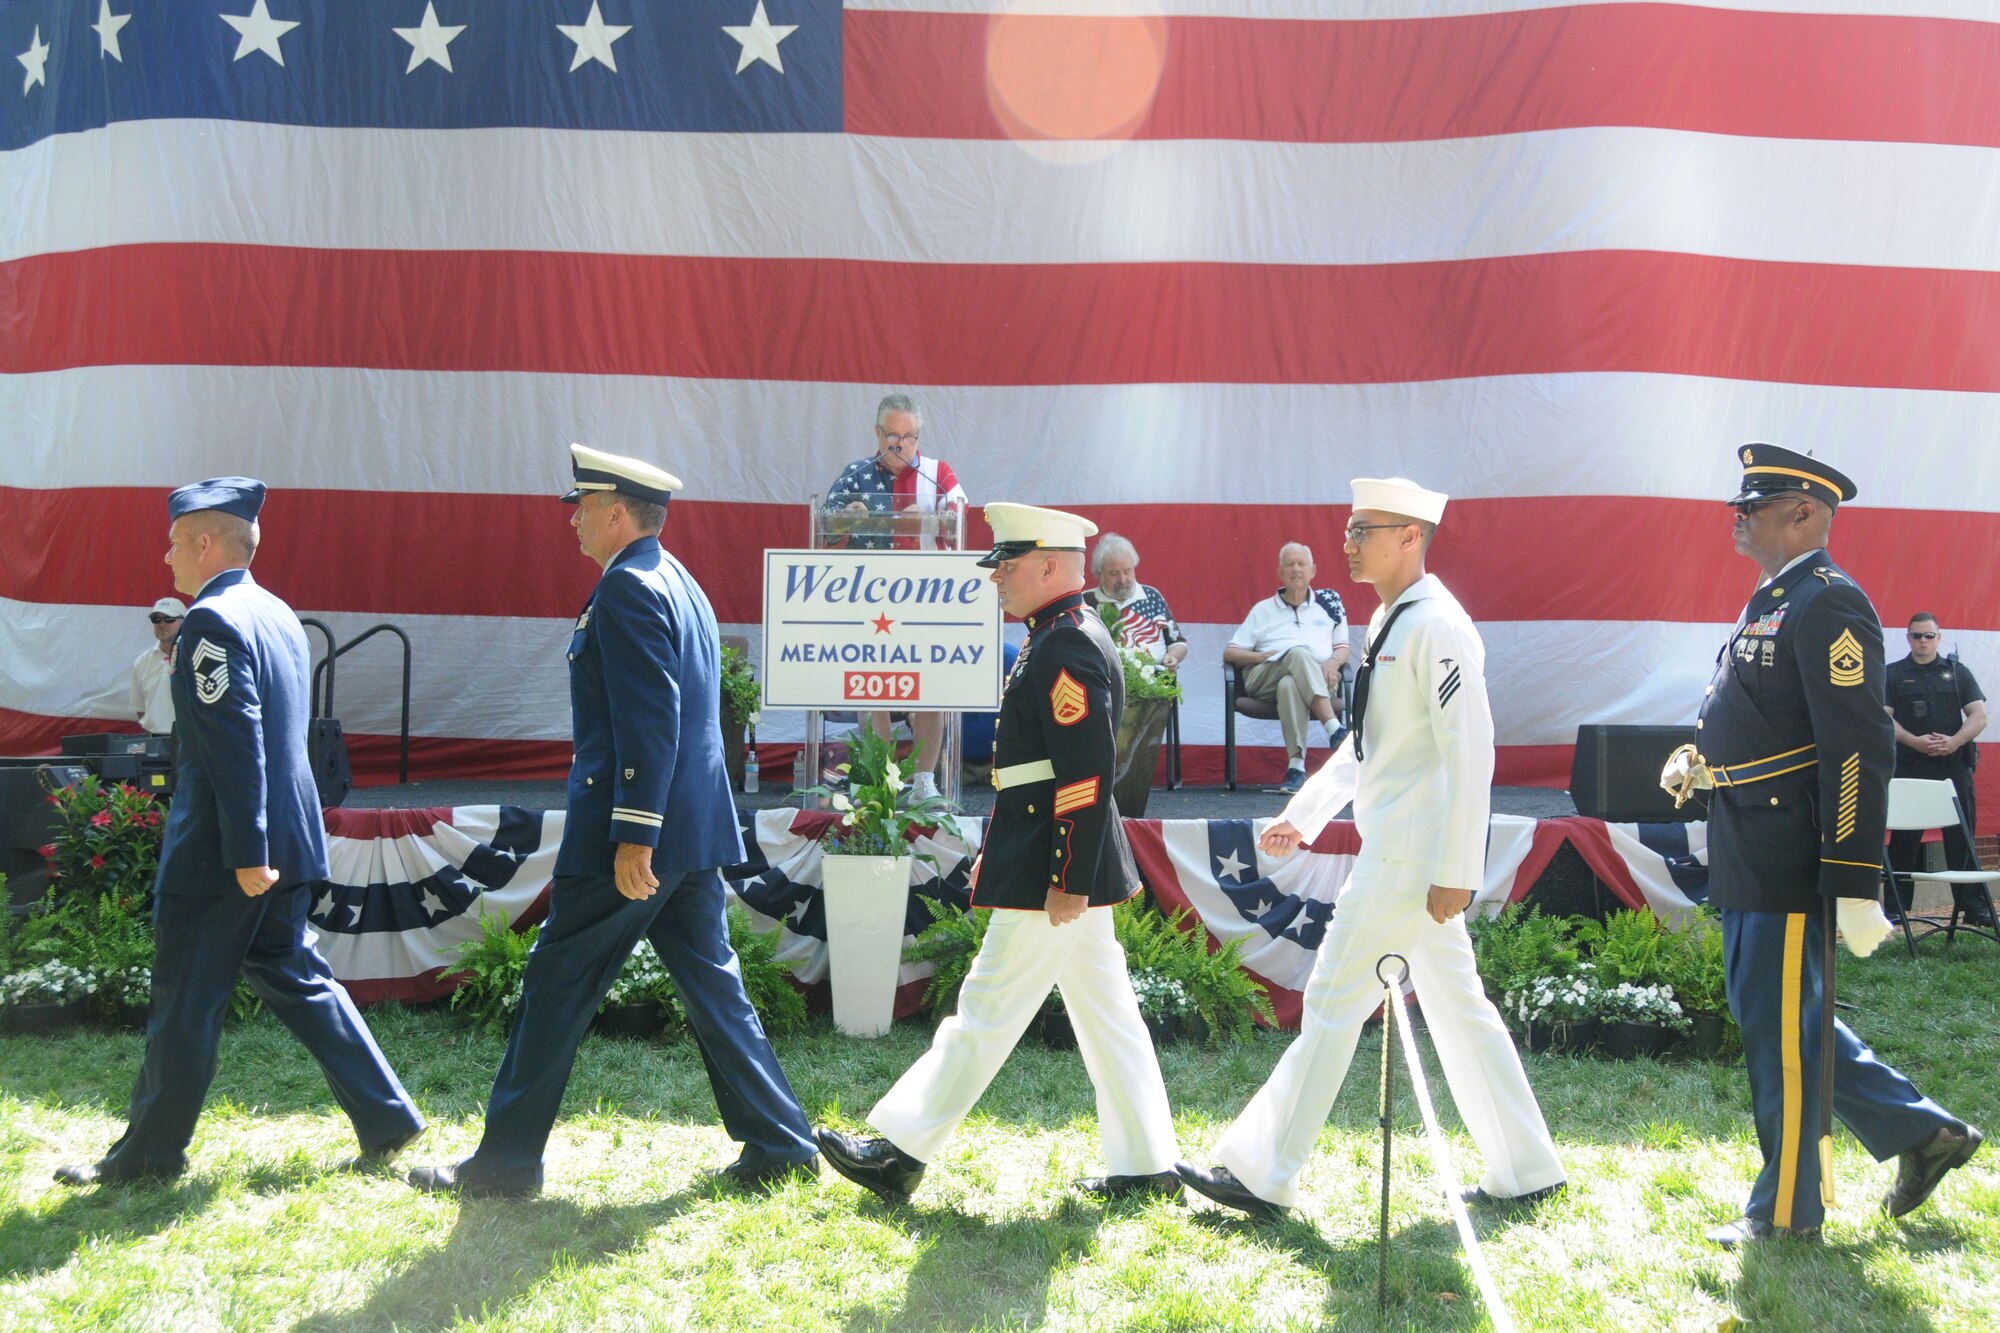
x,y
1616,774
27,820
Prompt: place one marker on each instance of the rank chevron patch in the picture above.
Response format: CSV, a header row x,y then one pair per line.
x,y
1069,700
1076,796
1850,797
210,683
1448,687
1844,660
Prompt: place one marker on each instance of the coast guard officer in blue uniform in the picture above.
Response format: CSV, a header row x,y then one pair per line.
x,y
1795,744
650,821
244,838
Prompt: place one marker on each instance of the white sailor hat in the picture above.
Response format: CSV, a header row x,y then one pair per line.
x,y
1019,529
596,470
1399,495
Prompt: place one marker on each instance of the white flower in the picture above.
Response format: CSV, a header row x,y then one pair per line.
x,y
752,719
893,776
840,801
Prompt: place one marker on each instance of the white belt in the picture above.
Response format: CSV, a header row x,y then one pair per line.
x,y
1018,775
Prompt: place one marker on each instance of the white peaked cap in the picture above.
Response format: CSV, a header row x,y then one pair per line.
x,y
1399,495
1019,529
595,470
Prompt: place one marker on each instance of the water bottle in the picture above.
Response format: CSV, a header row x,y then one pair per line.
x,y
750,767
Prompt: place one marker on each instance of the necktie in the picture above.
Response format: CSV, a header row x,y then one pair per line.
x,y
1367,671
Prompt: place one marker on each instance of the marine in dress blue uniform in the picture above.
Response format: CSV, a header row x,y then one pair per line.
x,y
649,823
244,839
1793,736
1053,859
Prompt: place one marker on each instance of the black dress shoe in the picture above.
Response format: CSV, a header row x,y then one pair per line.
x,y
1160,1185
766,1175
875,1164
1744,1230
379,1156
1223,1187
446,1180
1919,1170
80,1174
1476,1197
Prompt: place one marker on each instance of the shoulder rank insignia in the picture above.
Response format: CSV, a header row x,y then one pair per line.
x,y
1827,576
1844,660
583,621
1068,700
210,682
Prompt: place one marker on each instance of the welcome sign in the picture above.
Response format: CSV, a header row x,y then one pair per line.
x,y
870,630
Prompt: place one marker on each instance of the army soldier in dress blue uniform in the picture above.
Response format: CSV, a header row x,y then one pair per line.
x,y
650,821
1054,860
244,839
1794,741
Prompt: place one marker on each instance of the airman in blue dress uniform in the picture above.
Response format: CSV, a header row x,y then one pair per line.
x,y
244,840
1795,744
650,822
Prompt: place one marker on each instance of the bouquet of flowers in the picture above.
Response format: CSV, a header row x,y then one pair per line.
x,y
1552,1000
1631,1003
877,812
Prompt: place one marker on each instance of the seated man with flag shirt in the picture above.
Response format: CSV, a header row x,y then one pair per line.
x,y
1144,622
898,479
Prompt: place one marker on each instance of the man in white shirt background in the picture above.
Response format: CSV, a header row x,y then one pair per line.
x,y
1418,765
1290,649
152,673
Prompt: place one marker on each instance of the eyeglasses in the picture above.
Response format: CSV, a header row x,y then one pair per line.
x,y
1923,634
1749,507
1358,532
164,620
893,438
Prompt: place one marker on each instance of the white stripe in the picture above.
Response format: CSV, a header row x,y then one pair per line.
x,y
971,201
504,679
636,817
1984,10
1582,434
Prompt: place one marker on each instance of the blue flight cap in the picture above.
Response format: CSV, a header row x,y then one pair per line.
x,y
241,496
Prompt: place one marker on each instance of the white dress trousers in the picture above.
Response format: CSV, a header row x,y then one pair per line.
x,y
1382,910
1022,957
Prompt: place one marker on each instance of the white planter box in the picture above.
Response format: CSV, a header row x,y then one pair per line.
x,y
867,901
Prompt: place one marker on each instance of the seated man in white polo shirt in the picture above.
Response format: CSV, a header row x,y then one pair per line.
x,y
1290,649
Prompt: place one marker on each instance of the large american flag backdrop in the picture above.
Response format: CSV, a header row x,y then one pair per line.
x,y
1185,268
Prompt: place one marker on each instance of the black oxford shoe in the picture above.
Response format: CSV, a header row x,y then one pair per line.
x,y
744,1175
446,1180
875,1164
1746,1230
1160,1185
80,1174
1919,1170
1476,1197
1223,1187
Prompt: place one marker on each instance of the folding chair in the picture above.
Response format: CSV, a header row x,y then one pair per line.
x,y
1234,701
1932,803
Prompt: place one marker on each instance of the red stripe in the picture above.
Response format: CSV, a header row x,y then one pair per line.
x,y
1529,558
1002,324
972,76
372,824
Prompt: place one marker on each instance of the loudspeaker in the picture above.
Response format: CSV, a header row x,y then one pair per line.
x,y
27,820
1616,774
326,751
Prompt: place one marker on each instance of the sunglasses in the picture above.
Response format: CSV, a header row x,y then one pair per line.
x,y
158,619
1923,634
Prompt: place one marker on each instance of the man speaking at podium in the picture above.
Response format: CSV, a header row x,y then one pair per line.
x,y
896,496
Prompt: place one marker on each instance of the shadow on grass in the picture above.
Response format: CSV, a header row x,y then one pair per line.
x,y
975,1273
1428,1277
496,1253
1785,1285
37,1239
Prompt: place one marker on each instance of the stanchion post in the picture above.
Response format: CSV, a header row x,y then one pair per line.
x,y
1389,997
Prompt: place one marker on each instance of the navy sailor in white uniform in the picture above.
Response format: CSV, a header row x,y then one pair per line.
x,y
650,822
244,841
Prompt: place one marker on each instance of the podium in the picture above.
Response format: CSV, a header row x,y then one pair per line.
x,y
870,521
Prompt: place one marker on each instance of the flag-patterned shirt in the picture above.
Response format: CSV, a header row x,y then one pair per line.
x,y
1144,622
927,485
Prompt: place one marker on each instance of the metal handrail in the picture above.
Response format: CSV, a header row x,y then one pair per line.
x,y
326,664
403,749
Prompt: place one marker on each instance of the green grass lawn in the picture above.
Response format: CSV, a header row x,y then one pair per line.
x,y
262,1233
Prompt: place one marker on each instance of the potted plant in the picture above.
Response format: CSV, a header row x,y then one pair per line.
x,y
44,999
635,1005
1517,945
489,973
948,944
1223,1001
741,701
107,840
865,862
1697,974
112,939
1163,1002
1058,1032
779,1004
1558,1014
1640,1021
1151,691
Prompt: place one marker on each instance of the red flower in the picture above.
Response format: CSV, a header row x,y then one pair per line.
x,y
55,798
102,819
47,851
97,863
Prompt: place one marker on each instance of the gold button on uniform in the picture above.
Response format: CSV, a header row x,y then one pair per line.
x,y
1031,809
590,782
1774,800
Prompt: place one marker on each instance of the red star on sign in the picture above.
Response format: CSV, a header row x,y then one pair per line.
x,y
882,624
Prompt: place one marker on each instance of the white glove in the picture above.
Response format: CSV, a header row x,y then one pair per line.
x,y
1862,924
